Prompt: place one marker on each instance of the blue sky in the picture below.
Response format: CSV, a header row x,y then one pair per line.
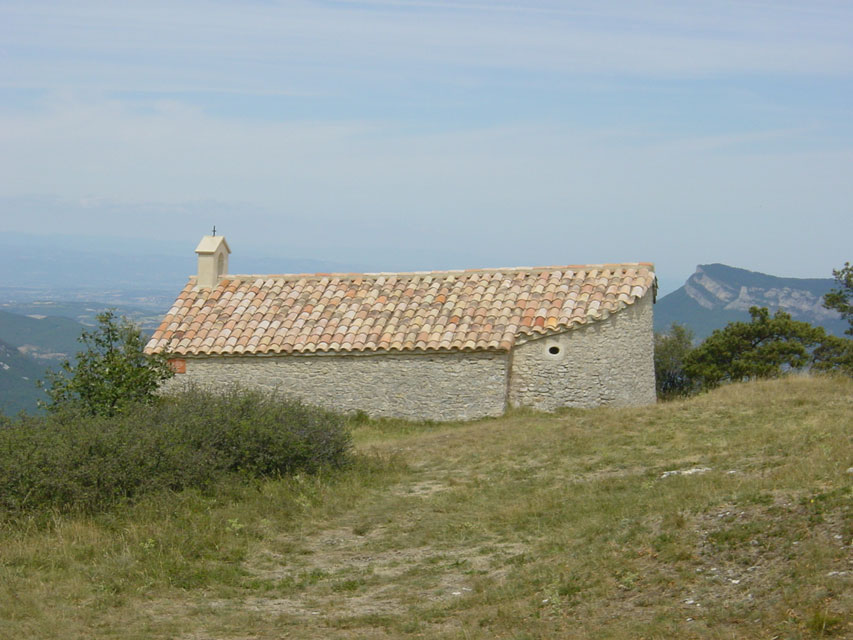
x,y
415,135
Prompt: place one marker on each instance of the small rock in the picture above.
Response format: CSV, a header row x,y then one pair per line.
x,y
684,472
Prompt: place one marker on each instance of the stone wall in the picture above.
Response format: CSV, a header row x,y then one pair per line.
x,y
606,362
456,386
610,362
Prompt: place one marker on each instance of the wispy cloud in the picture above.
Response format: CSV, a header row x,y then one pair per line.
x,y
504,131
304,46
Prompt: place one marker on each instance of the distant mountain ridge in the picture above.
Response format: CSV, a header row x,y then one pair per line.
x,y
717,294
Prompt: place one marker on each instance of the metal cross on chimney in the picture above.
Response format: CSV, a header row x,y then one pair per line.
x,y
214,230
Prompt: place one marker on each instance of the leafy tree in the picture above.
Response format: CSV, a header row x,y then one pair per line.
x,y
762,348
110,373
671,349
841,299
834,354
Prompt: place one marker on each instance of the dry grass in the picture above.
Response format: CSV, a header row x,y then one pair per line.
x,y
527,526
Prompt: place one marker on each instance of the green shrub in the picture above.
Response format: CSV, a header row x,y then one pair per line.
x,y
841,299
73,461
110,373
834,355
765,347
671,350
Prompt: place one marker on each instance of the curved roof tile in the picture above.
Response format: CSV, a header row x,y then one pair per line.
x,y
470,310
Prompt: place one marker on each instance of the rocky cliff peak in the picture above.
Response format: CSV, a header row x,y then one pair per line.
x,y
717,294
718,286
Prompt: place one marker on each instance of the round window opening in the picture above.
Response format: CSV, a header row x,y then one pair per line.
x,y
553,350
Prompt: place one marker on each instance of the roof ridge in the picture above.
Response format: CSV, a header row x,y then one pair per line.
x,y
449,272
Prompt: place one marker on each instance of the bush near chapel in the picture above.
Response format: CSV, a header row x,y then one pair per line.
x,y
79,462
109,438
110,373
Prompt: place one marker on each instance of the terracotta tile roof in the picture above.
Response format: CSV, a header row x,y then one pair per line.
x,y
430,311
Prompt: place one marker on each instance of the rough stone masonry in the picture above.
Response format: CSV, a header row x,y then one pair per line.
x,y
453,345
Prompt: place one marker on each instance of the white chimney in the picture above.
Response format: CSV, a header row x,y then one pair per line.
x,y
212,261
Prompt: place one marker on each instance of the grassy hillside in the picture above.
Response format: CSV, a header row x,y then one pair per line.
x,y
725,516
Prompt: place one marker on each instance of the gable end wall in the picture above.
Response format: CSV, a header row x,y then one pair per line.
x,y
610,362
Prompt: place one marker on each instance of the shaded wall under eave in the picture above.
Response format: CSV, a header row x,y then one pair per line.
x,y
425,386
